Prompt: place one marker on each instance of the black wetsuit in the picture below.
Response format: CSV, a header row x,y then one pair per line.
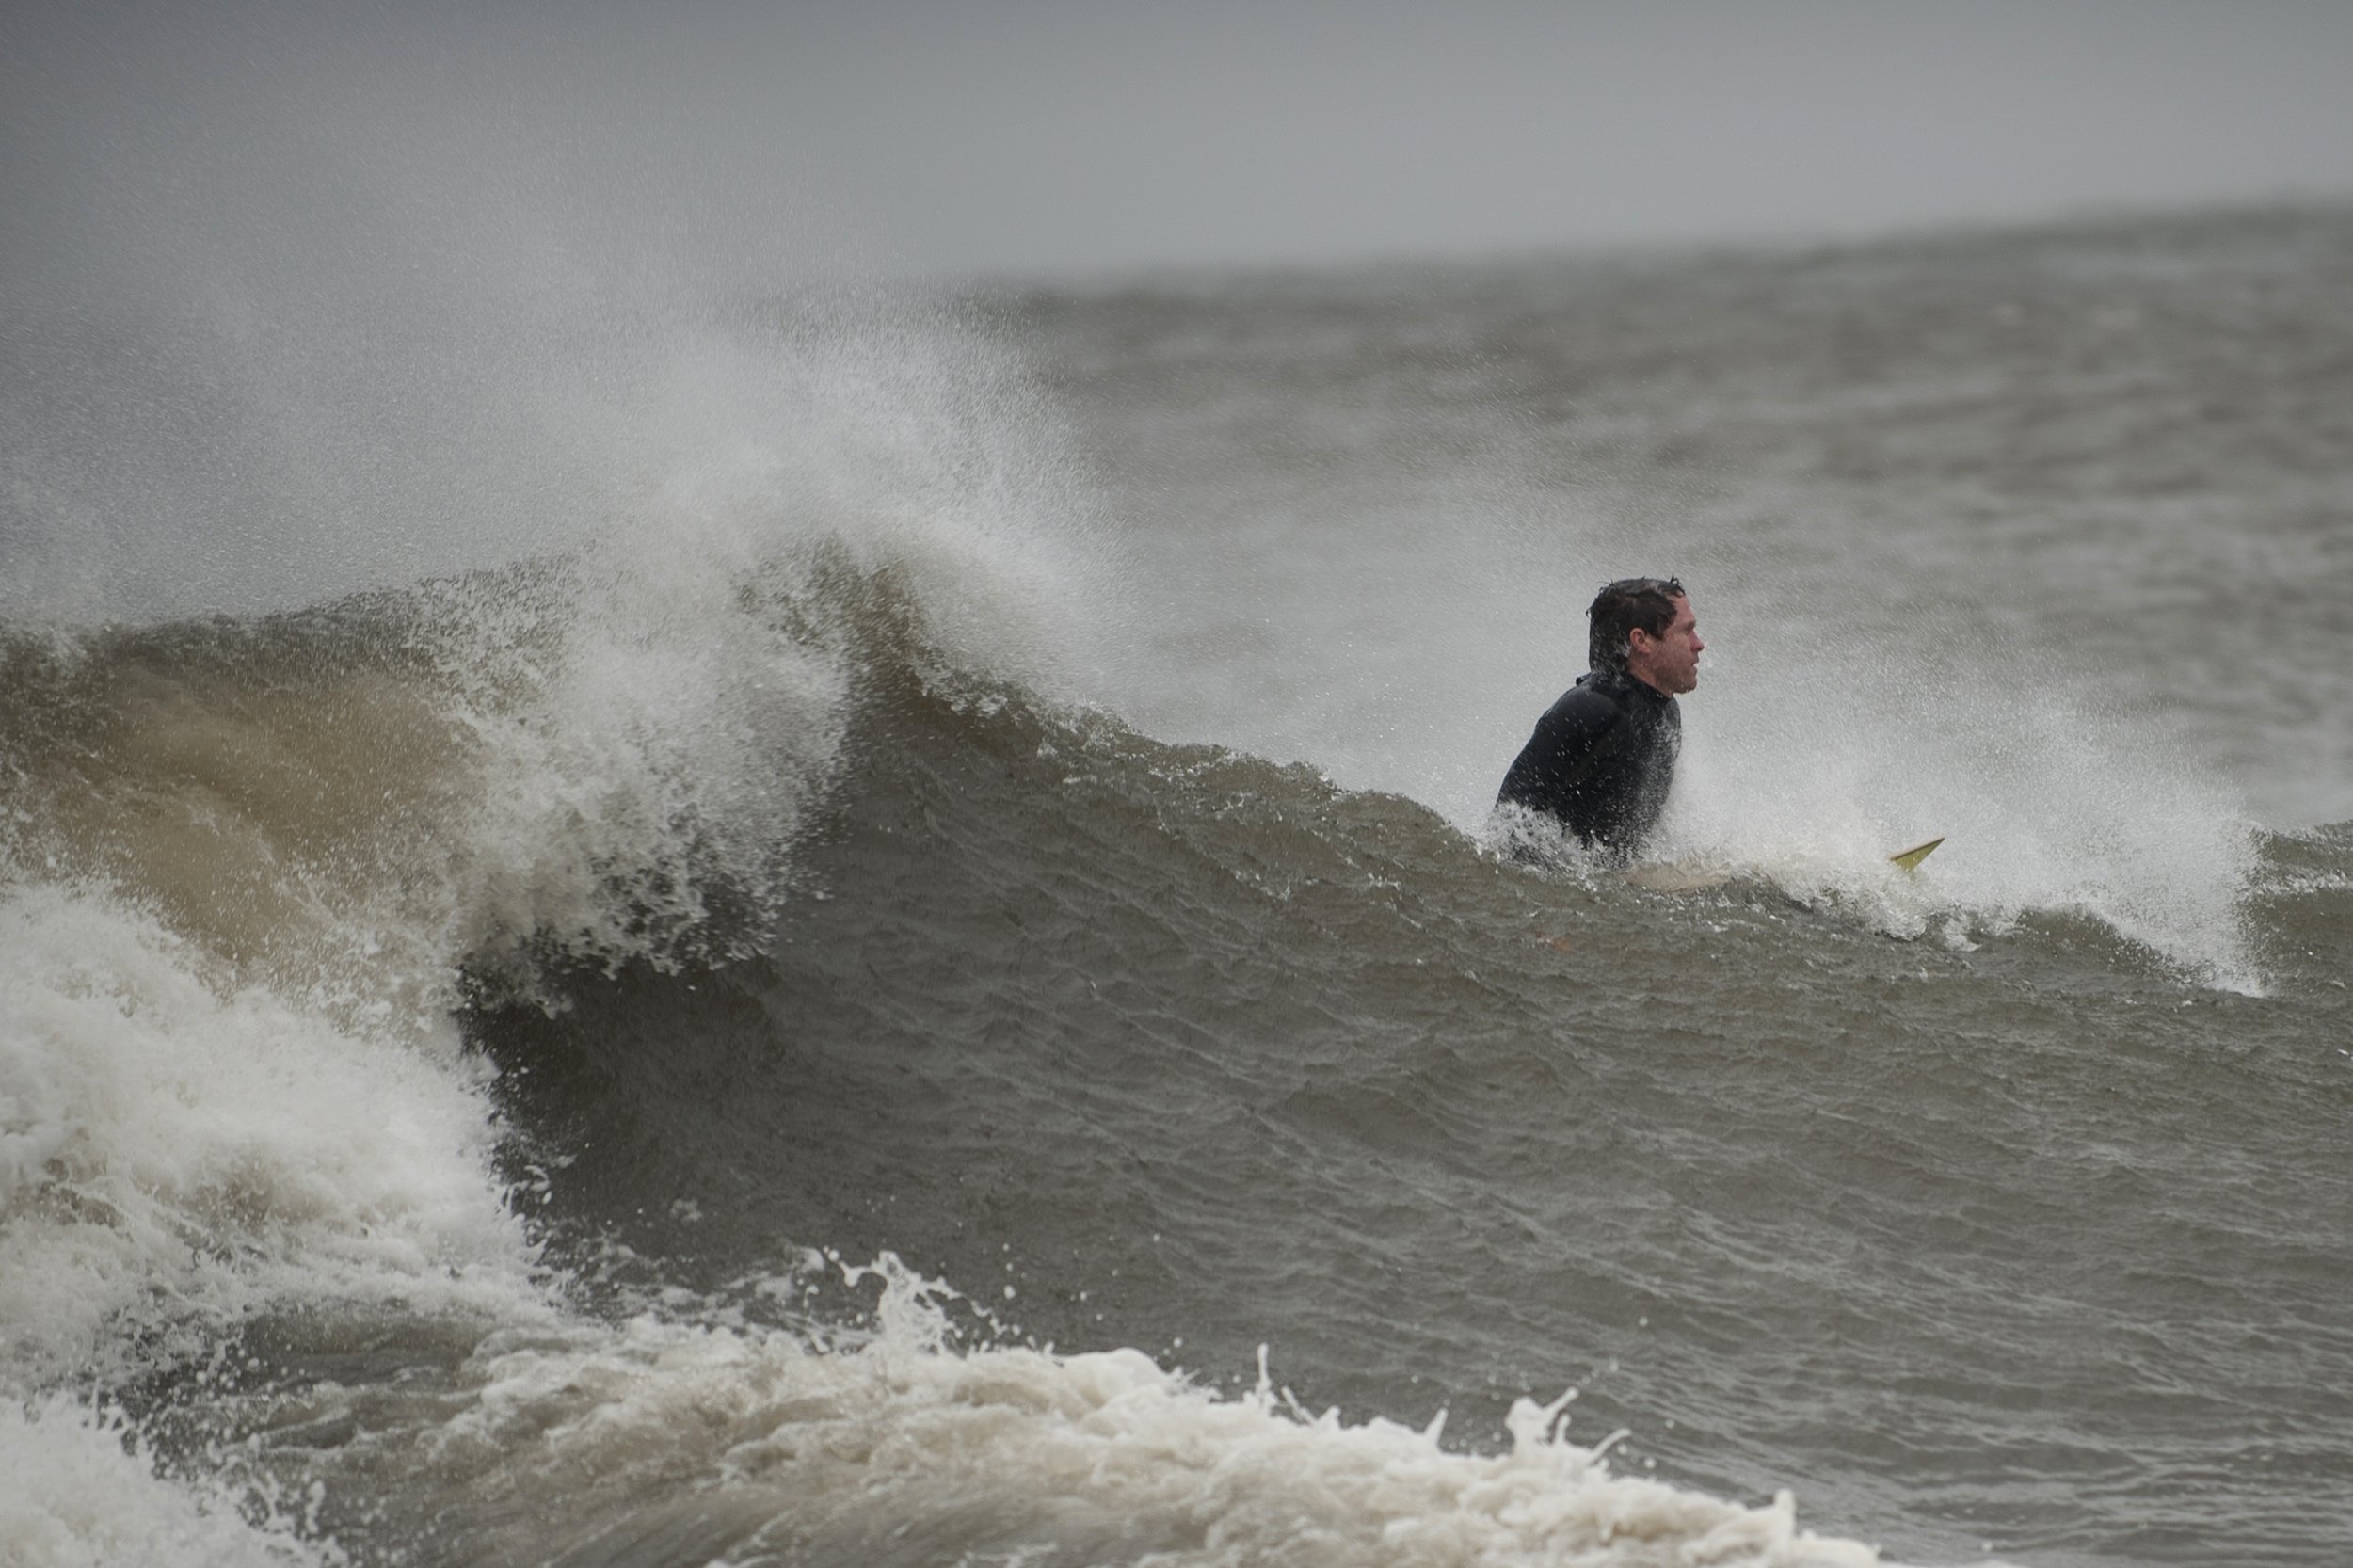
x,y
1601,759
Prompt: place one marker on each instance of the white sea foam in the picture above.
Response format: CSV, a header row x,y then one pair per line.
x,y
903,1445
82,1494
176,1150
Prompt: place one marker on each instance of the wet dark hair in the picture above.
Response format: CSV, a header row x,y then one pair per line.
x,y
1648,603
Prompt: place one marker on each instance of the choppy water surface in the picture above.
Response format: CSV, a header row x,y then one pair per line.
x,y
932,984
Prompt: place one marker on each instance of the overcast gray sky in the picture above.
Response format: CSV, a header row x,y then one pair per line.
x,y
1058,135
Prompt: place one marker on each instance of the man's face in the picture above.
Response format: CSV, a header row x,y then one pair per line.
x,y
1670,661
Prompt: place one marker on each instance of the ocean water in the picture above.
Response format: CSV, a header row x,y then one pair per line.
x,y
862,927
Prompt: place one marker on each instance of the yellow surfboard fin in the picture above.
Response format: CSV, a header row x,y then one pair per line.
x,y
1909,858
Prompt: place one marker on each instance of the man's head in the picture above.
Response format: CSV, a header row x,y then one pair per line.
x,y
1645,626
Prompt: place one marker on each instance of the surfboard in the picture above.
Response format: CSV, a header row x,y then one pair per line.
x,y
1909,858
1694,877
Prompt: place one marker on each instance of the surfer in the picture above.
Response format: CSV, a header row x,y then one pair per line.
x,y
1602,757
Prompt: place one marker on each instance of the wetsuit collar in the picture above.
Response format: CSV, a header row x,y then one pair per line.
x,y
1620,684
